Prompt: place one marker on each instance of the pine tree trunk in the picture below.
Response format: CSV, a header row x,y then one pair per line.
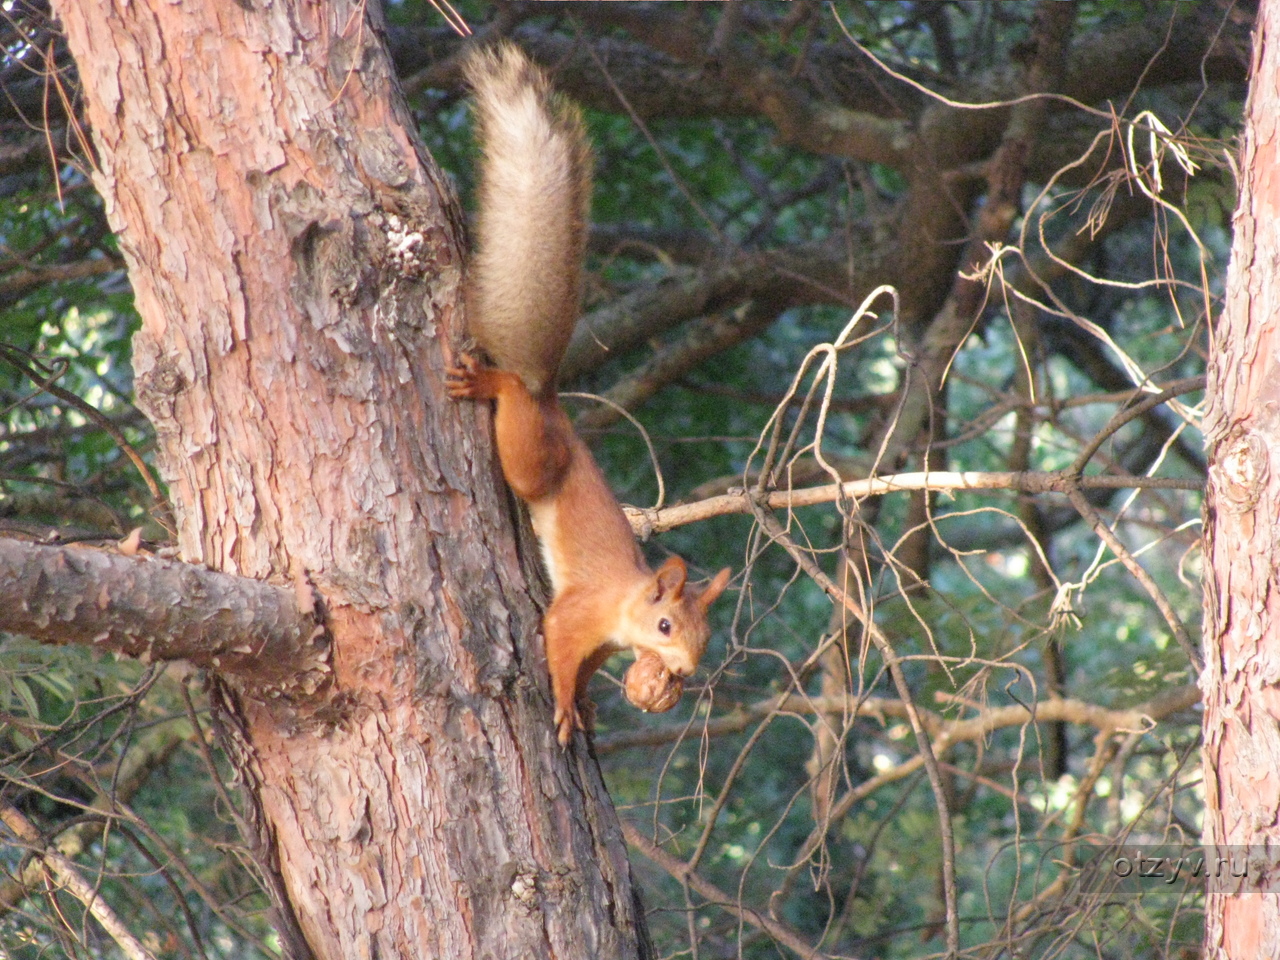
x,y
296,263
1241,681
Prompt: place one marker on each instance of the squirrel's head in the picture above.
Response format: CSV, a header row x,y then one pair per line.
x,y
669,616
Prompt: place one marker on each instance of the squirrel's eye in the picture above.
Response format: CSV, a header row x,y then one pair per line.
x,y
664,627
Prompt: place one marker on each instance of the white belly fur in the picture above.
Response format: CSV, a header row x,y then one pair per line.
x,y
543,515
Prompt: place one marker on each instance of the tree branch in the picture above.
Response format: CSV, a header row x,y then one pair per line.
x,y
946,733
647,521
23,281
132,772
67,876
780,932
702,340
812,273
156,609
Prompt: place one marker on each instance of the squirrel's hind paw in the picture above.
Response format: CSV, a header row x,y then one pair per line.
x,y
463,380
566,722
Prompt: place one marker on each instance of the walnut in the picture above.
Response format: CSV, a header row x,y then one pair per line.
x,y
651,686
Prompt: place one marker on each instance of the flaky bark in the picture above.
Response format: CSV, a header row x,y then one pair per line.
x,y
1241,680
296,266
156,609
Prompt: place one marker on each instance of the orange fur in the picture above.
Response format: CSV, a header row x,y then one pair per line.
x,y
606,598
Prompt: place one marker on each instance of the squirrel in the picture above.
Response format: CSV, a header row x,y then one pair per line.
x,y
522,294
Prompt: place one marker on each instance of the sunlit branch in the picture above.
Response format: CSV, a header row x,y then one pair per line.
x,y
645,521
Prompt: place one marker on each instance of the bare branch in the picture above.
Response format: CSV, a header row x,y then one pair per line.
x,y
649,521
977,728
704,339
814,273
132,773
23,281
780,932
892,663
1140,574
66,874
156,609
946,733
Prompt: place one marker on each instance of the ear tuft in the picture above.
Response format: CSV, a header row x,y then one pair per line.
x,y
669,580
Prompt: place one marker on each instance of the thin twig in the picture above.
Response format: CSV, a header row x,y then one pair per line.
x,y
780,932
19,359
1104,532
945,733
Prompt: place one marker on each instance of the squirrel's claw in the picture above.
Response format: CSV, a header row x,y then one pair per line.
x,y
460,379
566,722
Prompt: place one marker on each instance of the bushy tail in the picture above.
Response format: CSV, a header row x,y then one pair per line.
x,y
524,283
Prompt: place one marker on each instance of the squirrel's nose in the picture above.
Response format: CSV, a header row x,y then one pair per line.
x,y
682,669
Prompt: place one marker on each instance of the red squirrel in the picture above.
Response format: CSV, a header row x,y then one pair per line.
x,y
524,285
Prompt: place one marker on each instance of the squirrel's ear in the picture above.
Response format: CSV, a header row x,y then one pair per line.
x,y
669,580
709,594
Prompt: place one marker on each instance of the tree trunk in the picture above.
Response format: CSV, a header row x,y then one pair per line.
x,y
1241,681
296,263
